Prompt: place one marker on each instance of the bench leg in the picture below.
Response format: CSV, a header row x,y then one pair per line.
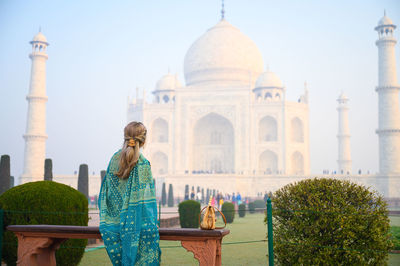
x,y
207,252
37,251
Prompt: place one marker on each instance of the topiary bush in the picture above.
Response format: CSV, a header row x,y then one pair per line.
x,y
163,195
44,202
189,211
170,196
252,207
330,222
228,209
242,210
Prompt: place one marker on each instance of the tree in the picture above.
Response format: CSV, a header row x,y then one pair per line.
x,y
163,195
186,192
102,175
4,173
83,180
330,222
170,196
48,170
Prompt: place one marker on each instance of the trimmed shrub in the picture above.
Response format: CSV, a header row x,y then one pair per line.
x,y
252,207
330,222
170,196
228,209
163,195
189,211
44,202
242,210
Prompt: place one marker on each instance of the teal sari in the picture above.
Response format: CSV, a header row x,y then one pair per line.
x,y
128,215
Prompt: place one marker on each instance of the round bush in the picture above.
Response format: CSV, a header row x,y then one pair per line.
x,y
44,202
330,222
189,211
242,210
252,207
228,209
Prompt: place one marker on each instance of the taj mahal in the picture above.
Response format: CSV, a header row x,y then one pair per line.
x,y
229,125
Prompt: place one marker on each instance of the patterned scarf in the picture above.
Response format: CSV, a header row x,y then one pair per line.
x,y
128,215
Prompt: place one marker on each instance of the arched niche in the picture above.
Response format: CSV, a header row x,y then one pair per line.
x,y
213,145
159,163
268,163
267,129
297,130
159,130
297,163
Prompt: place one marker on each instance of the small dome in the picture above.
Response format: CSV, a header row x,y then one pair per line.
x,y
39,38
168,82
342,96
385,21
268,79
222,54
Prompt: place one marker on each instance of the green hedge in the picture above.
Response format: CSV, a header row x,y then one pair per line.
x,y
189,211
252,207
242,210
395,232
44,202
330,222
260,204
228,209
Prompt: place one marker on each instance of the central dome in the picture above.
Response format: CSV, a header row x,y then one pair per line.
x,y
223,54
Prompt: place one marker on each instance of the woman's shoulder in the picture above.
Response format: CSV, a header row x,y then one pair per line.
x,y
114,161
142,160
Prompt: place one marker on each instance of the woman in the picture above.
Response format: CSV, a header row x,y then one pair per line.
x,y
127,203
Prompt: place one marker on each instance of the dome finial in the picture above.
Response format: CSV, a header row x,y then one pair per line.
x,y
384,12
40,28
222,10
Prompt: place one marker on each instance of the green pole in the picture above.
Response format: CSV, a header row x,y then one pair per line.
x,y
1,233
270,234
159,213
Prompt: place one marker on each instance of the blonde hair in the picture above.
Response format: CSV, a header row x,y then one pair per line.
x,y
134,139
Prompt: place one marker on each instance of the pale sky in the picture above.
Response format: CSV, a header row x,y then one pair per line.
x,y
100,51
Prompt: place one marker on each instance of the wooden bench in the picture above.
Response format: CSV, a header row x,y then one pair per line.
x,y
37,244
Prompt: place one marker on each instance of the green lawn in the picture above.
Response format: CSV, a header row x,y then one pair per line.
x,y
249,228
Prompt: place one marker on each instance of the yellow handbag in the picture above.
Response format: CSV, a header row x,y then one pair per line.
x,y
209,220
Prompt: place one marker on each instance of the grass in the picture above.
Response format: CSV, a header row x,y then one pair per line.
x,y
249,228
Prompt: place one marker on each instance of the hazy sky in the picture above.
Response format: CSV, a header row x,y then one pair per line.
x,y
101,50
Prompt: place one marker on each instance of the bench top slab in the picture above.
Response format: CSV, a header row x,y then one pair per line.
x,y
61,231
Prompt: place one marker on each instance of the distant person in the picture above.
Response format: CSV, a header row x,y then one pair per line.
x,y
192,194
127,203
265,197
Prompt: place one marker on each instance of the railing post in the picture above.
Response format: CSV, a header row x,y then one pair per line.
x,y
159,214
270,234
1,232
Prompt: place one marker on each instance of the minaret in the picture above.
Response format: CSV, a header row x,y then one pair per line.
x,y
344,154
388,94
35,136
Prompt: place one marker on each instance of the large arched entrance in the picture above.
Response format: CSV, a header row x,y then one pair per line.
x,y
213,145
268,163
267,129
297,163
160,130
159,163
